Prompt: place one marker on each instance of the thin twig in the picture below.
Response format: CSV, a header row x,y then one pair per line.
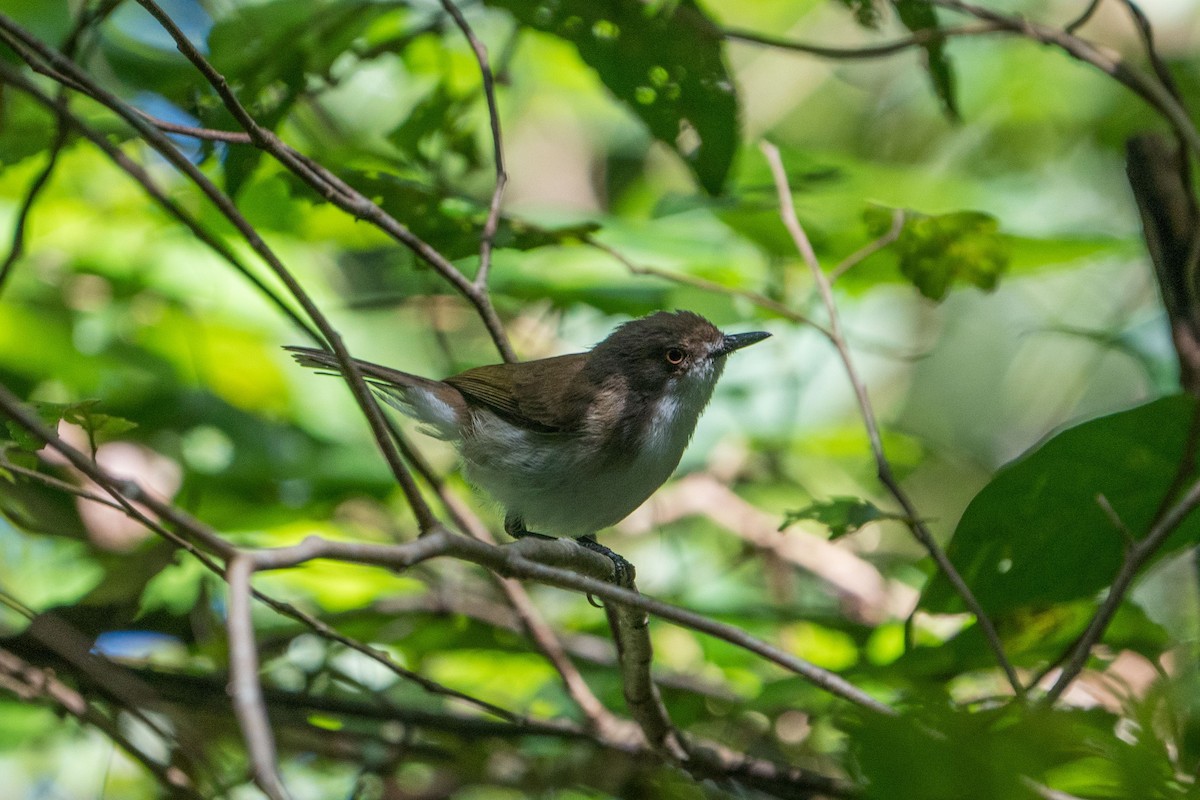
x,y
488,236
139,174
334,188
244,687
882,465
29,683
1153,92
870,249
1135,558
916,39
1084,17
13,33
17,248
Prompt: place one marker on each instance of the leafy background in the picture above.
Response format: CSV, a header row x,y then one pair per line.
x,y
1012,339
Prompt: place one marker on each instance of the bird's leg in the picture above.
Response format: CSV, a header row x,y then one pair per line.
x,y
514,526
623,571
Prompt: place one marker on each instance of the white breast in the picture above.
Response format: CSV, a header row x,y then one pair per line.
x,y
557,484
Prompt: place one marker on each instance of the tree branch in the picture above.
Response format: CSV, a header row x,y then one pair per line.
x,y
489,92
882,465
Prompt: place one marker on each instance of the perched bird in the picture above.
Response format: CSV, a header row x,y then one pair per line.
x,y
571,444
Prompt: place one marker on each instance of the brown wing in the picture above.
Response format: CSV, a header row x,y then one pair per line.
x,y
537,394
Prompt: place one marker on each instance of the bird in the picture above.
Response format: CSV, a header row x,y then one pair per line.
x,y
570,445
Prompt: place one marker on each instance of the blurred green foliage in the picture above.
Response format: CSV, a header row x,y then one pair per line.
x,y
1041,379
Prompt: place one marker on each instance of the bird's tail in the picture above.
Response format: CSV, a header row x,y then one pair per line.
x,y
435,403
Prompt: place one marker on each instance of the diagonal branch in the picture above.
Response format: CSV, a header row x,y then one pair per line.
x,y
30,46
1135,558
334,188
882,465
488,236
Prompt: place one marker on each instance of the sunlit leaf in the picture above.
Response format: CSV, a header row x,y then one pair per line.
x,y
665,61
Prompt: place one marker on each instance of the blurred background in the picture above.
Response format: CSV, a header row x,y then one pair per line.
x,y
1051,316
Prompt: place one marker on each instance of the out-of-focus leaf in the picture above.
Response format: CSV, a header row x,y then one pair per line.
x,y
279,45
935,753
842,515
664,61
440,116
25,127
919,17
451,224
49,20
98,425
286,42
1037,533
865,12
935,252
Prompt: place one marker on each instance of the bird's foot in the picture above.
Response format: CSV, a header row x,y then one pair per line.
x,y
623,571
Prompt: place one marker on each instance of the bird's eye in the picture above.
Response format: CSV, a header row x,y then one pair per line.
x,y
675,356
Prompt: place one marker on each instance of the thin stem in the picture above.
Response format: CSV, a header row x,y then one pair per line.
x,y
870,249
13,33
883,467
489,92
916,39
244,687
333,187
1135,558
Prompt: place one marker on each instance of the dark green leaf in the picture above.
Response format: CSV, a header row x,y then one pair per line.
x,y
865,12
919,16
936,252
664,61
1037,534
842,515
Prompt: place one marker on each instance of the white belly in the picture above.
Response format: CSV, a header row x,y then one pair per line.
x,y
558,486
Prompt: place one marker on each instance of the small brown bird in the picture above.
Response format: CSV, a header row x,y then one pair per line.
x,y
571,444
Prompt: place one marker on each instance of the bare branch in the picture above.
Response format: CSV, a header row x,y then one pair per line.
x,y
22,40
334,188
916,39
244,687
1084,17
136,172
1153,92
882,465
870,249
31,684
1135,558
489,92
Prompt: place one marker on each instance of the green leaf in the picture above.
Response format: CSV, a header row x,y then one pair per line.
x,y
664,60
842,515
919,16
1037,534
865,12
451,224
84,415
936,252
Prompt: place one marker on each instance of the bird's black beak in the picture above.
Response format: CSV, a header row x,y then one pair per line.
x,y
736,341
